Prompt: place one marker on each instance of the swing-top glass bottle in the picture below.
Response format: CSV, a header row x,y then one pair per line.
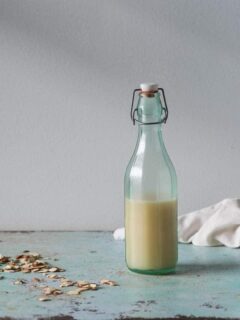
x,y
150,188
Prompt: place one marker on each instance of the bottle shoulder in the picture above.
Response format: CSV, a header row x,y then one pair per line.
x,y
146,178
158,159
150,159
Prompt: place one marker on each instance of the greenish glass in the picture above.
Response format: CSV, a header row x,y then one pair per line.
x,y
150,189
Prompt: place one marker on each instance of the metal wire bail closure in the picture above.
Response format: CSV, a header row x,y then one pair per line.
x,y
164,107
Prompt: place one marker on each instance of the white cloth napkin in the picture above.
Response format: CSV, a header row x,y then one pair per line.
x,y
217,225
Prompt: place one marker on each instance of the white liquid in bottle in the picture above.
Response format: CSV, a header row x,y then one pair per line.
x,y
151,234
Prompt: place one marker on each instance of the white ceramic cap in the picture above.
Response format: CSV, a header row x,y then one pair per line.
x,y
146,87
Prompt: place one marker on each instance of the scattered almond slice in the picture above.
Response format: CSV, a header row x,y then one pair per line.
x,y
43,270
84,289
8,267
36,280
20,281
93,286
57,292
44,298
109,282
51,291
67,283
82,283
4,259
53,269
74,292
35,254
33,262
16,267
48,290
56,269
53,276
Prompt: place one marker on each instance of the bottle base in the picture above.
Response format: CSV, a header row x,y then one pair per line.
x,y
163,271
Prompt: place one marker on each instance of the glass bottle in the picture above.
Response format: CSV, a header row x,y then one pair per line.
x,y
150,189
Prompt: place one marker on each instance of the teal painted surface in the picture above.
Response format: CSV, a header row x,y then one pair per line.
x,y
207,282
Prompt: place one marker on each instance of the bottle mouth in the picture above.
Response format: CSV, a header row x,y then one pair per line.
x,y
149,94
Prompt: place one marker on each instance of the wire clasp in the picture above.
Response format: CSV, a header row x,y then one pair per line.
x,y
164,107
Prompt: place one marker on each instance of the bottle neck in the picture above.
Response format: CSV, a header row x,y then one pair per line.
x,y
149,109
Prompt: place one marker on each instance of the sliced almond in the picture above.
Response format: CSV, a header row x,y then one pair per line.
x,y
48,290
82,283
36,280
84,289
8,267
20,281
53,276
4,259
93,286
44,298
74,292
67,283
35,254
109,282
51,291
54,269
57,292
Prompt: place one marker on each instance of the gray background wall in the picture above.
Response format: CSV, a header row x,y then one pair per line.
x,y
67,71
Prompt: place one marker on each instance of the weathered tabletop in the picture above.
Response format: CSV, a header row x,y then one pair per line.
x,y
207,281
